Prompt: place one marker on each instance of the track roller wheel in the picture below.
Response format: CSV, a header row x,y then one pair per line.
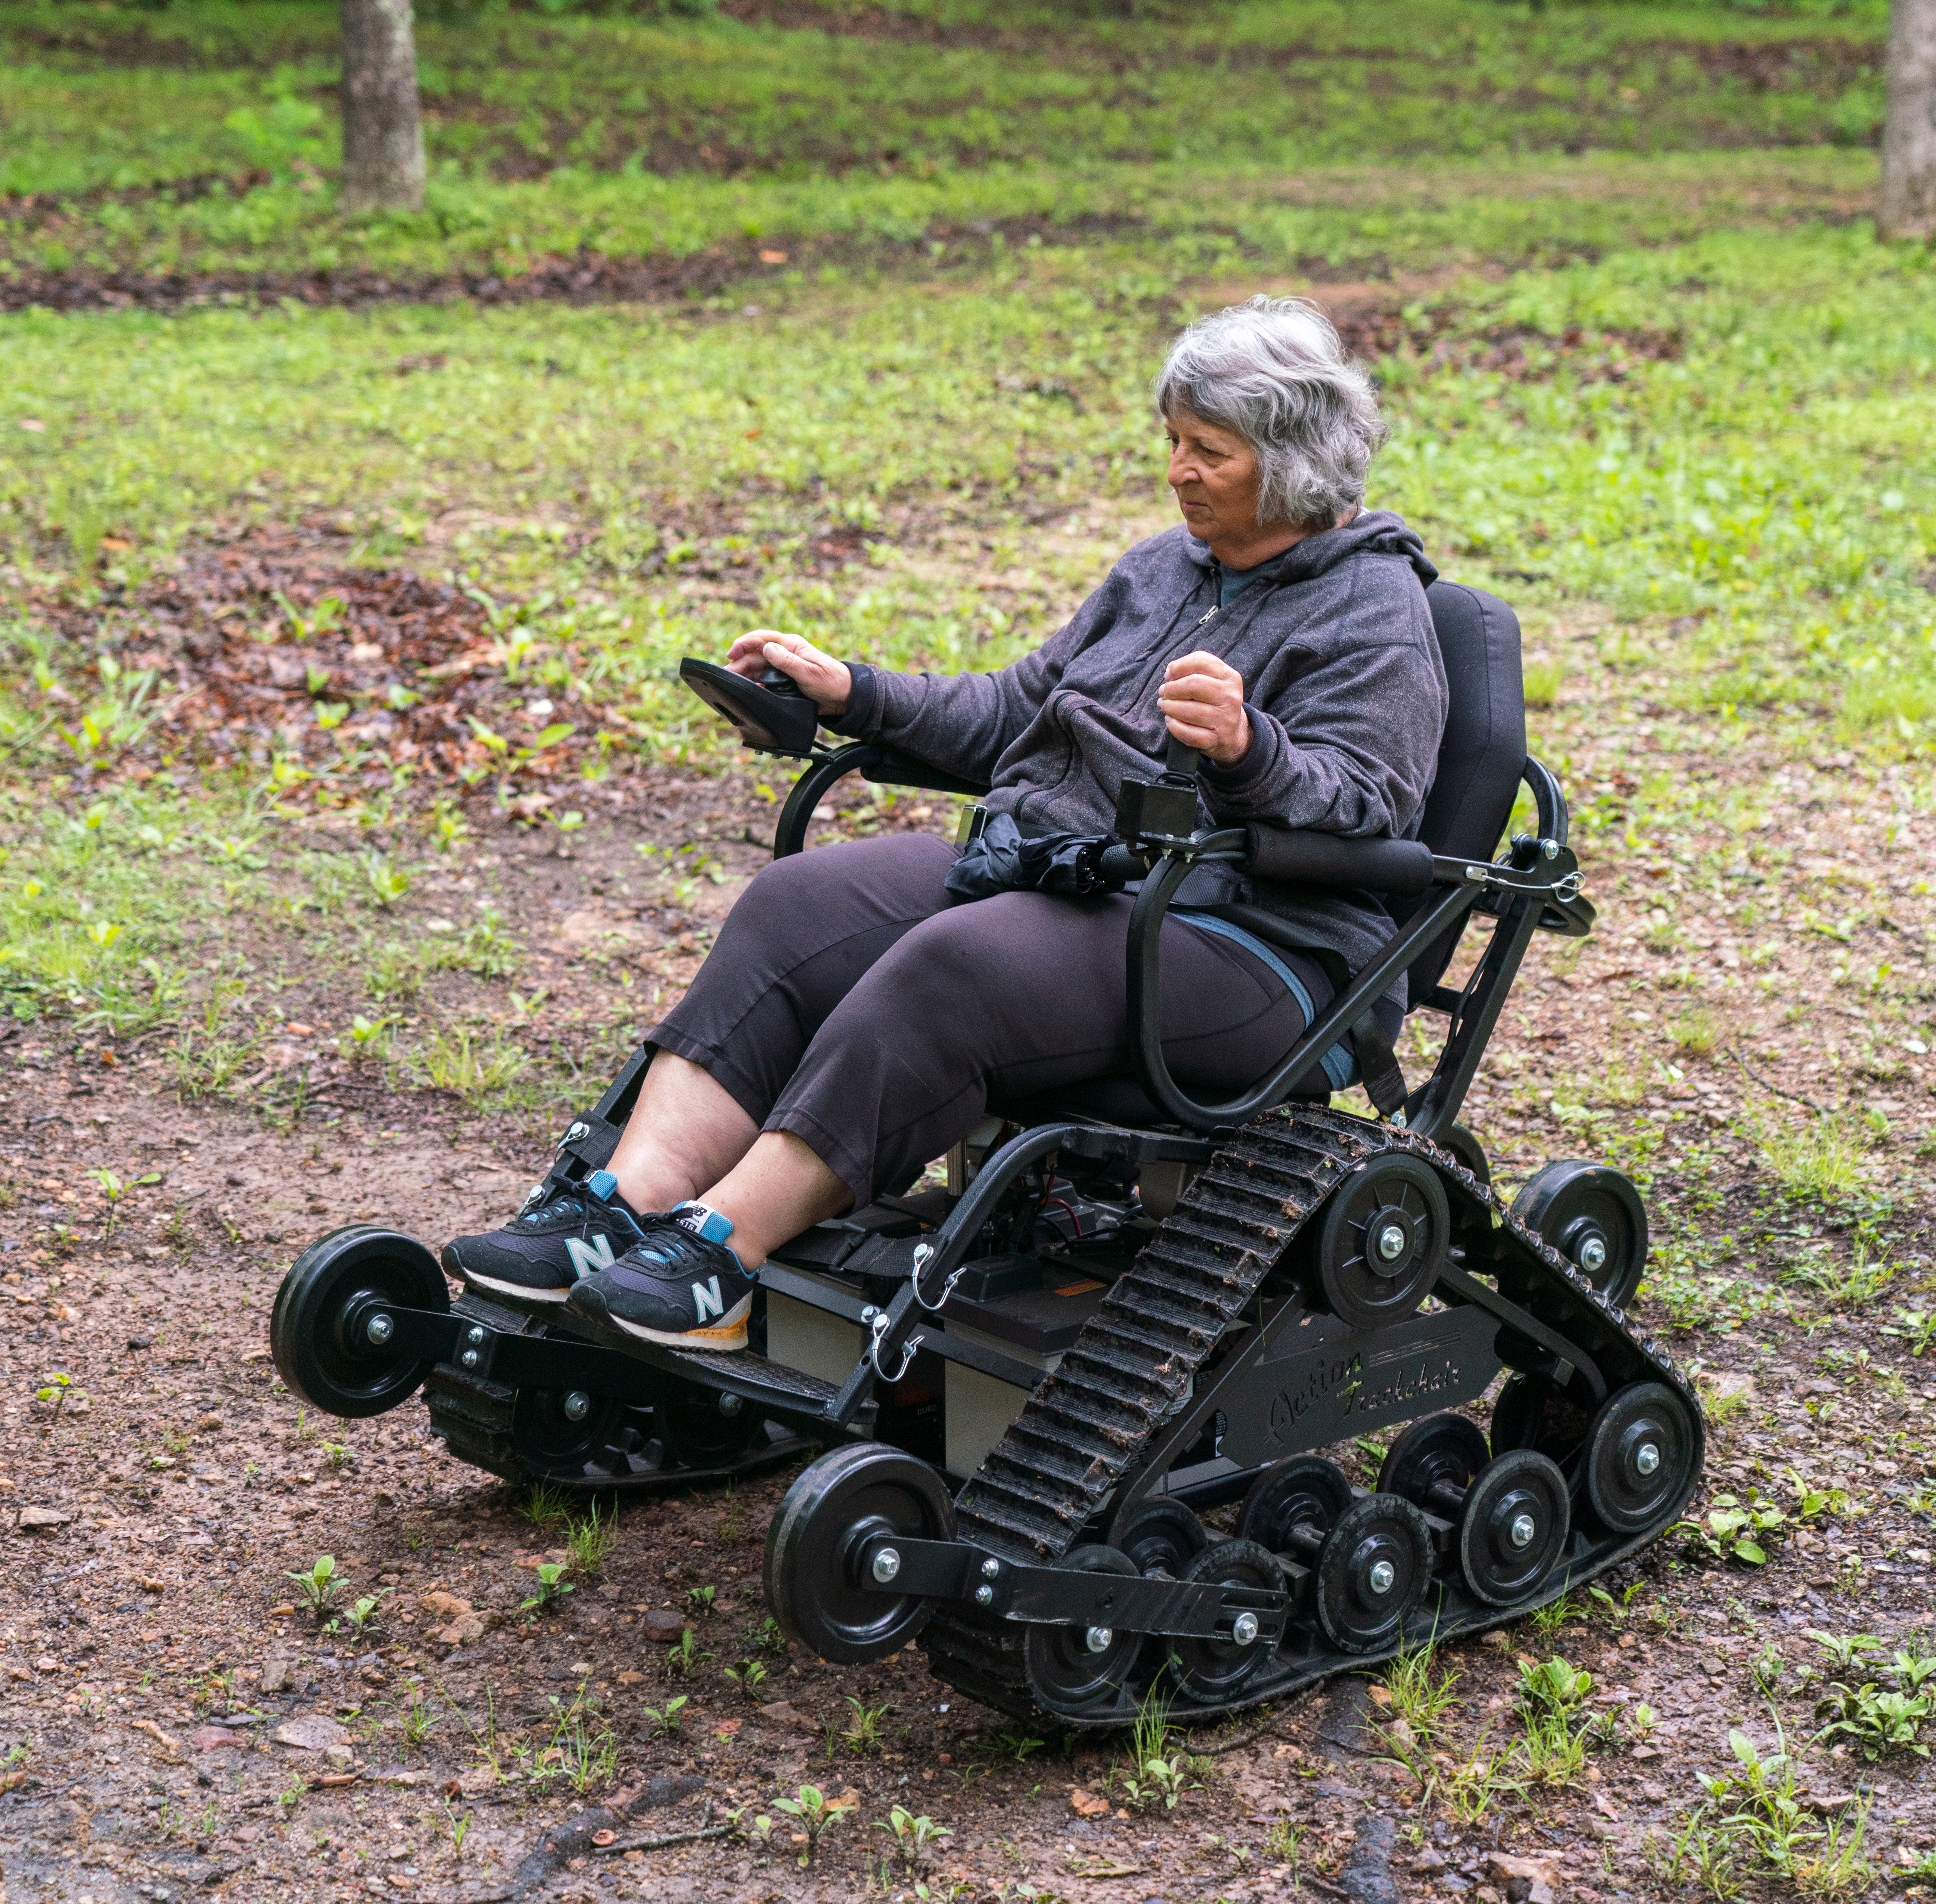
x,y
704,1427
1640,1454
1383,1237
1209,1671
317,1332
812,1547
1070,1668
1514,1526
1304,1490
1441,1452
1594,1217
1375,1567
1162,1536
1468,1149
558,1435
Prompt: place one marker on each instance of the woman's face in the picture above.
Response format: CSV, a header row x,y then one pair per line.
x,y
1214,474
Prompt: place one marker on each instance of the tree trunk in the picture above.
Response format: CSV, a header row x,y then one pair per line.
x,y
1909,137
382,130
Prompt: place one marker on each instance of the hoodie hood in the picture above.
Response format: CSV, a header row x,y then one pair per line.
x,y
1371,532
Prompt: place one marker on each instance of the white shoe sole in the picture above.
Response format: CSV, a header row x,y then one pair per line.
x,y
517,1292
728,1334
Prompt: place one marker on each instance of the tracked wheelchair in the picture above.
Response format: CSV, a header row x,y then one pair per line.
x,y
1126,1308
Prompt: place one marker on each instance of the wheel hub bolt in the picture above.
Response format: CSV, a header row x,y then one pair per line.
x,y
730,1404
1646,1457
984,1596
577,1405
887,1563
1099,1639
1523,1527
381,1328
1392,1240
1244,1629
1383,1577
1593,1254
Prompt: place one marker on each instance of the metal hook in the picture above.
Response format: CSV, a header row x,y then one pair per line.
x,y
923,1254
881,1326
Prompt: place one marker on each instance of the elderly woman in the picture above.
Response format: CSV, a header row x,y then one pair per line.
x,y
854,1016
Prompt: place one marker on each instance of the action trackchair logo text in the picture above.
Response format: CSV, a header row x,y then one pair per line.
x,y
588,1257
707,1302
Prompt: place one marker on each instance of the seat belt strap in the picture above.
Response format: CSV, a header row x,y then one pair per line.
x,y
1378,1068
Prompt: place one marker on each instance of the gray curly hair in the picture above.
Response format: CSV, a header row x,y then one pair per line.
x,y
1273,370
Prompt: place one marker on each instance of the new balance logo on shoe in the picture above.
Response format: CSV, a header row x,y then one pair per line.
x,y
707,1302
588,1256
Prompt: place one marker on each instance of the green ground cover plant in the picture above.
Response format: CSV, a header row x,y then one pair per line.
x,y
129,96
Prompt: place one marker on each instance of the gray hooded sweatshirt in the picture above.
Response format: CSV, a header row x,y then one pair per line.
x,y
1342,682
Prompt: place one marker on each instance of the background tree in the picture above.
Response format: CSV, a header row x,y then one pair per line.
x,y
382,128
1909,137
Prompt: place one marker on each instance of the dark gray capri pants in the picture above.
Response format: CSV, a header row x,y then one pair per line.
x,y
850,999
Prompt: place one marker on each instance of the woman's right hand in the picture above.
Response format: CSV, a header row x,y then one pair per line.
x,y
826,682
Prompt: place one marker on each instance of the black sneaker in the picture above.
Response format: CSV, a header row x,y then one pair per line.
x,y
680,1284
564,1232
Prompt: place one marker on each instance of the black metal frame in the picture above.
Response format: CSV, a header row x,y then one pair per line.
x,y
1535,887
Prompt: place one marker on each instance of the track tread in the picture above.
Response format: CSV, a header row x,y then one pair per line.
x,y
1084,1427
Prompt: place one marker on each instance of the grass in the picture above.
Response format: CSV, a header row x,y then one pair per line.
x,y
126,96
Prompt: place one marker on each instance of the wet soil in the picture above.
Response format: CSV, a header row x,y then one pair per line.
x,y
175,1724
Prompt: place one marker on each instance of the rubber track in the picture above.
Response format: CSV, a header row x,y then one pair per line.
x,y
1084,1429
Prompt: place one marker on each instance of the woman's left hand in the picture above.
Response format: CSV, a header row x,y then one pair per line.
x,y
1203,700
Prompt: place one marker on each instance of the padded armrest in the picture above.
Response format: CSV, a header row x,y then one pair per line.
x,y
1304,858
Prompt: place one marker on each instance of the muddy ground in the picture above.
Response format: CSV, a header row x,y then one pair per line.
x,y
175,1726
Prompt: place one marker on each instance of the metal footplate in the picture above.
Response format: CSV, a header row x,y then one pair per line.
x,y
1191,1327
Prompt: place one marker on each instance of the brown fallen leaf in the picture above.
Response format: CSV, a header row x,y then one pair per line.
x,y
1087,1804
330,1781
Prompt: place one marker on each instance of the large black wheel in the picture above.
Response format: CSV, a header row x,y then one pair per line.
x,y
813,1583
1640,1457
1072,1668
1209,1671
559,1434
1375,1567
705,1428
1383,1240
1306,1490
1440,1450
1514,1526
1594,1217
318,1330
1162,1536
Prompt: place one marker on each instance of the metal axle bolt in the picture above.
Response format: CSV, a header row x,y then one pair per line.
x,y
1392,1240
1646,1457
1244,1629
1099,1639
469,1358
1383,1577
475,1337
984,1596
990,1568
730,1403
887,1563
577,1405
1523,1527
1593,1254
381,1328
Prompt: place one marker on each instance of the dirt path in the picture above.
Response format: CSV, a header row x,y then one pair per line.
x,y
155,1515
